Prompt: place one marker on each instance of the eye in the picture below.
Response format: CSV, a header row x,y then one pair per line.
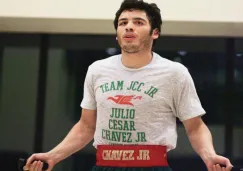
x,y
139,23
122,23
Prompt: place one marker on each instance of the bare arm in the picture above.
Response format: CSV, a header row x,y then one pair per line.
x,y
200,137
78,137
202,142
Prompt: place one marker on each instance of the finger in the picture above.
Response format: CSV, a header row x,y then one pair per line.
x,y
30,160
33,166
39,166
214,168
42,164
229,168
25,168
223,169
228,165
218,167
36,166
210,168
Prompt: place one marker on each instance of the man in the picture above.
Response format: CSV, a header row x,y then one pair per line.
x,y
131,102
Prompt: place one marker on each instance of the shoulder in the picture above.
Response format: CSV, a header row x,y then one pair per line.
x,y
105,63
179,70
175,69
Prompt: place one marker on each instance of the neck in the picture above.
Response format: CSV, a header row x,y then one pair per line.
x,y
136,60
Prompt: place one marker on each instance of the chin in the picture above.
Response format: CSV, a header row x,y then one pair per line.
x,y
130,50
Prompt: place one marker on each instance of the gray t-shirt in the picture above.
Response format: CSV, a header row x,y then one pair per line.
x,y
139,106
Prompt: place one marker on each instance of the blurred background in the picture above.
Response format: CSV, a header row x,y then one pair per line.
x,y
44,56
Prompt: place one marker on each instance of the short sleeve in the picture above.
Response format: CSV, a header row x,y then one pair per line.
x,y
89,100
186,101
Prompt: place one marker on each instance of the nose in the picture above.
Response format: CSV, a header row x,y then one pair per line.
x,y
129,26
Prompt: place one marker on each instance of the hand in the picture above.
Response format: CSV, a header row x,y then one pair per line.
x,y
37,165
213,163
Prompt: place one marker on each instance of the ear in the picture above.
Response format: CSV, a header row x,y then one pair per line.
x,y
116,38
155,34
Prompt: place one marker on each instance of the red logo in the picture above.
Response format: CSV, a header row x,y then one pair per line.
x,y
124,100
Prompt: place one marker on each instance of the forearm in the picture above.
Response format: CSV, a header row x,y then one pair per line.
x,y
202,142
79,136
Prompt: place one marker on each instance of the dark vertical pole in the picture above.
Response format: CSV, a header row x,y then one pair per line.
x,y
230,65
1,75
41,94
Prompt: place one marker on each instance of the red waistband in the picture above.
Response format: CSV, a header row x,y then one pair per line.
x,y
131,155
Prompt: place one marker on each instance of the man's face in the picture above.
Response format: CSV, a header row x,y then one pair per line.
x,y
134,31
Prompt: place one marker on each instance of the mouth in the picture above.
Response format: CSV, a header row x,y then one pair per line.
x,y
129,37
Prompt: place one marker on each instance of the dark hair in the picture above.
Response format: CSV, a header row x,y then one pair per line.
x,y
152,11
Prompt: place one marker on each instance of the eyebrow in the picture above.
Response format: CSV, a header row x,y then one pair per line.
x,y
135,18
